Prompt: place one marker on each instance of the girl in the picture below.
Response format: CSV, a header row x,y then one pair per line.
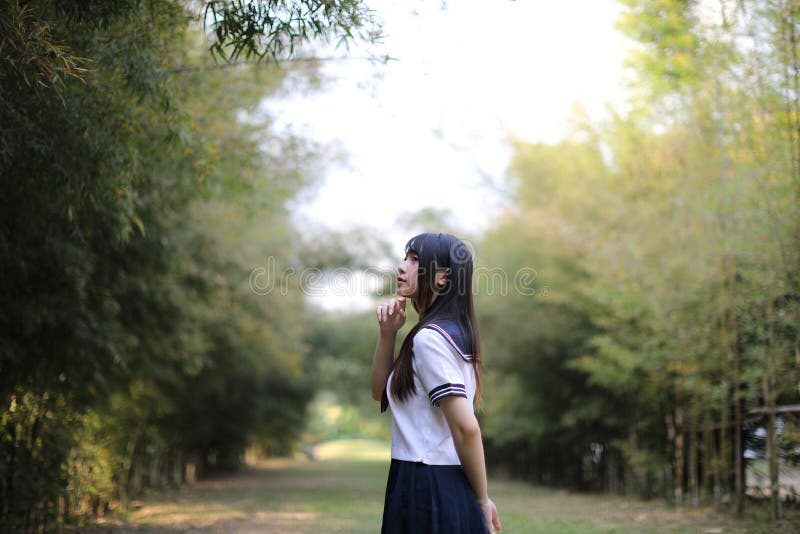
x,y
437,479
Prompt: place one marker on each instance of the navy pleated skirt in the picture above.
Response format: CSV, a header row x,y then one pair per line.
x,y
430,499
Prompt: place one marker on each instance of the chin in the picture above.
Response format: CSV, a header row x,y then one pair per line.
x,y
404,292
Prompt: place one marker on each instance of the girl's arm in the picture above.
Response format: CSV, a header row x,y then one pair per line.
x,y
382,362
469,446
391,317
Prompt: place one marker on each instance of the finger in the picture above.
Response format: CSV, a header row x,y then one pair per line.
x,y
401,301
496,520
391,307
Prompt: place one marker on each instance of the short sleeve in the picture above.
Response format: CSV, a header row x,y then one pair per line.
x,y
437,366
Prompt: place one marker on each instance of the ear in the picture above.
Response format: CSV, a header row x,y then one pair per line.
x,y
441,277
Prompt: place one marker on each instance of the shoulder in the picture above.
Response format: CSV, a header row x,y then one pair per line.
x,y
435,341
446,335
437,364
430,338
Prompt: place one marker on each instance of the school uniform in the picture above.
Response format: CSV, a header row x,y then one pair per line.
x,y
427,491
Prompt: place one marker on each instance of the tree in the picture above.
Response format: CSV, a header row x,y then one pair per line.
x,y
111,285
670,226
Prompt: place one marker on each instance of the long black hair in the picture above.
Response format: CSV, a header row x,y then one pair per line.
x,y
439,252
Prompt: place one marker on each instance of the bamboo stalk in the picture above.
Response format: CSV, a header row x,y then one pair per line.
x,y
680,455
732,346
693,460
768,383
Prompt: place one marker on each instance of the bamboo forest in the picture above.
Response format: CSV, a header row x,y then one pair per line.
x,y
637,289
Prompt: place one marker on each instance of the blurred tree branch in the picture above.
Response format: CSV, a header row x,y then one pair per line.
x,y
271,28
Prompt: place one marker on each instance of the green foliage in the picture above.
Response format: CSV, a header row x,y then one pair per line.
x,y
136,204
666,238
92,464
541,412
339,362
35,428
30,54
270,28
670,42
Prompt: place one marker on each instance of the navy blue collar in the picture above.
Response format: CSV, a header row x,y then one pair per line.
x,y
453,333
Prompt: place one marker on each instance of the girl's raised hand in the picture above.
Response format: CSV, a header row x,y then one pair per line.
x,y
392,316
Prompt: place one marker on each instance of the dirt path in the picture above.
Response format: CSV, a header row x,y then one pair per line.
x,y
300,496
278,496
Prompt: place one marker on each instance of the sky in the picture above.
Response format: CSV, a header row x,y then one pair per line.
x,y
431,128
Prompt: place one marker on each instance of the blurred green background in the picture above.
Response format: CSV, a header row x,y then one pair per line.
x,y
647,341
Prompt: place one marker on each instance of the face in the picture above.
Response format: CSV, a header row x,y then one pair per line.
x,y
407,275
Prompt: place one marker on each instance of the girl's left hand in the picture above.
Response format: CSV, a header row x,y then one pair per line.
x,y
490,515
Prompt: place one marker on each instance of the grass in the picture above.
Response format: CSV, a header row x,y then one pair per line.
x,y
342,491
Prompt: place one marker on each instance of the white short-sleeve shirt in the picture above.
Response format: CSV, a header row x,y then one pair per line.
x,y
419,429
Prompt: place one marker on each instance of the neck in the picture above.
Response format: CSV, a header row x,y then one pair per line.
x,y
418,307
